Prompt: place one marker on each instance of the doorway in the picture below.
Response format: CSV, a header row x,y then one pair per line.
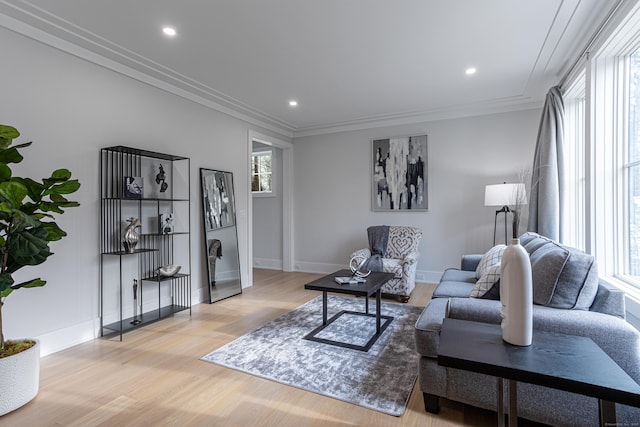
x,y
270,219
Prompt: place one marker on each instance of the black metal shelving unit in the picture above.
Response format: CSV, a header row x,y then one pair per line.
x,y
157,296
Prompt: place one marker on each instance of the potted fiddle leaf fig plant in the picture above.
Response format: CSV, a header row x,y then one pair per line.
x,y
27,226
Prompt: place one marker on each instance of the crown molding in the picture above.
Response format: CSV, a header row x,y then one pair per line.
x,y
35,23
453,112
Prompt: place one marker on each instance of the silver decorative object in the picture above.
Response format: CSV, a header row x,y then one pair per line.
x,y
130,238
168,270
355,263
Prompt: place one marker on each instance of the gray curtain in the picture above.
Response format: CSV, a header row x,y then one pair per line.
x,y
547,173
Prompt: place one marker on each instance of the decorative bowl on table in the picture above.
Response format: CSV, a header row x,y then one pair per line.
x,y
168,270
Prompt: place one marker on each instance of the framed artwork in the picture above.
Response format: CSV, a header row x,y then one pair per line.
x,y
133,187
217,193
400,174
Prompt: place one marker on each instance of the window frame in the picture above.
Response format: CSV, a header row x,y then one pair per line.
x,y
261,152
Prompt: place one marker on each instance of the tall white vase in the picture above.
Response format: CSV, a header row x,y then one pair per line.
x,y
516,295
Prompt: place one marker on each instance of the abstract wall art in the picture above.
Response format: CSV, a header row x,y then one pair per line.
x,y
400,174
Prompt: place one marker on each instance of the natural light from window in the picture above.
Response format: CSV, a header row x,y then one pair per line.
x,y
261,172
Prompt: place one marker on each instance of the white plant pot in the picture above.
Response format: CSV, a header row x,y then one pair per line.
x,y
19,378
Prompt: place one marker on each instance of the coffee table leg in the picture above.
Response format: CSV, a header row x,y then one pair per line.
x,y
324,307
378,292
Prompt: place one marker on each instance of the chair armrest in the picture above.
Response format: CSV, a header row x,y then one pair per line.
x,y
361,252
411,258
470,262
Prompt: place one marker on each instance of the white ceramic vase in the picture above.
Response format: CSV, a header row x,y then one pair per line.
x,y
516,295
19,378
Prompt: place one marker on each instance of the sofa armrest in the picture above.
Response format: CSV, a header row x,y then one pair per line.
x,y
428,326
470,262
609,300
615,336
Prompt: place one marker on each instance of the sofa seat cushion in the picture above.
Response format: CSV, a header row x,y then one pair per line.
x,y
455,275
457,289
563,277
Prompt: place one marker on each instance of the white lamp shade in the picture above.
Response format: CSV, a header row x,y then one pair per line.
x,y
505,194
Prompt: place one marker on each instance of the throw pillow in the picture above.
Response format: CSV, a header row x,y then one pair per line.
x,y
491,258
486,282
548,259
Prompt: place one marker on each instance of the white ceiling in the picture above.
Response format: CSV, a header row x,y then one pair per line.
x,y
349,63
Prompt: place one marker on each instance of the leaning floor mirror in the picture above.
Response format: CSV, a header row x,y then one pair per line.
x,y
220,234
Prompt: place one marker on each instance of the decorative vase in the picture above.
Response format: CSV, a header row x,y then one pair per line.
x,y
516,295
130,238
19,378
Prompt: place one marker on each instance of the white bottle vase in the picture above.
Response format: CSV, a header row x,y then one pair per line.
x,y
516,295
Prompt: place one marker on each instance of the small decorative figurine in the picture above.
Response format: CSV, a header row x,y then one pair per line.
x,y
130,238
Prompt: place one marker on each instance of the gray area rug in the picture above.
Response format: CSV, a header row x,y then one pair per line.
x,y
381,379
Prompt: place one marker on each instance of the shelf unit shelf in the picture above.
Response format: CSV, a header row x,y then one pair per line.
x,y
129,281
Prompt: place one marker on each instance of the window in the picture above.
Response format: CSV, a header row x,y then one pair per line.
x,y
601,205
262,172
573,221
632,170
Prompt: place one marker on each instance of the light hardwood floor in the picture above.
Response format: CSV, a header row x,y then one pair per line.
x,y
155,378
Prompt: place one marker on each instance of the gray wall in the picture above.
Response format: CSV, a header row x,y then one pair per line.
x,y
71,108
332,189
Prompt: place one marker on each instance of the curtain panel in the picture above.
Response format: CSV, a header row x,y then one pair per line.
x,y
547,173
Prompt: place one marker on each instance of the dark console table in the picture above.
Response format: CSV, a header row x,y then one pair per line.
x,y
565,362
372,286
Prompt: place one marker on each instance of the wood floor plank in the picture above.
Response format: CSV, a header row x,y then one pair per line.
x,y
155,378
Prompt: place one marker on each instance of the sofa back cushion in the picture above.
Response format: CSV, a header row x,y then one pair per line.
x,y
403,240
563,277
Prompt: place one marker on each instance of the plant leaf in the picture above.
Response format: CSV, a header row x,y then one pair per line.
x,y
34,188
7,135
10,155
53,231
5,284
5,172
13,192
66,187
28,247
33,283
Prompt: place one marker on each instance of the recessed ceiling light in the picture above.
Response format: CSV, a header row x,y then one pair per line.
x,y
169,31
293,103
470,71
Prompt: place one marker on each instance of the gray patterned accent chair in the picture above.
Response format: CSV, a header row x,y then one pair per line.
x,y
401,258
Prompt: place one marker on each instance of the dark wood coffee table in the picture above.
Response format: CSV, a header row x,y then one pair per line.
x,y
564,362
372,286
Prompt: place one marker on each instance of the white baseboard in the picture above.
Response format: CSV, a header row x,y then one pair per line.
x,y
426,276
62,339
317,267
269,264
422,276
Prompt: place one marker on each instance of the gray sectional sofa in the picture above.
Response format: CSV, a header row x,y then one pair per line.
x,y
568,298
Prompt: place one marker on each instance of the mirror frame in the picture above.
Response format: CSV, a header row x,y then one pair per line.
x,y
222,216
